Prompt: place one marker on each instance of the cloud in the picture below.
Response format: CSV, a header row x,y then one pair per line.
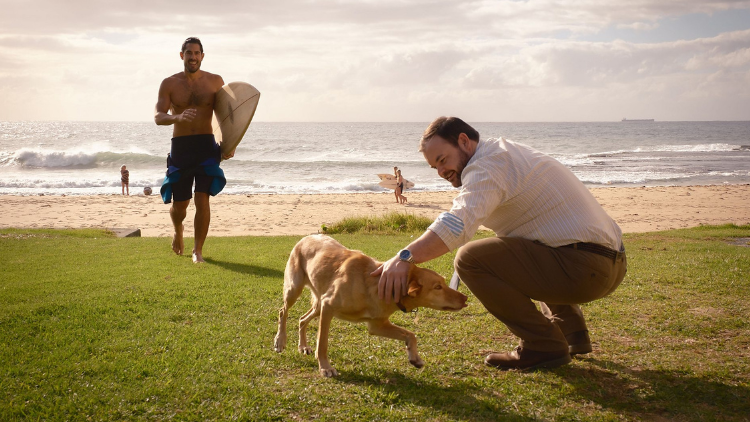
x,y
540,18
598,64
522,18
39,43
413,68
367,59
638,26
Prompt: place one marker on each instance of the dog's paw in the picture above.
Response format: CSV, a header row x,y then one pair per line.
x,y
305,350
279,345
418,363
329,373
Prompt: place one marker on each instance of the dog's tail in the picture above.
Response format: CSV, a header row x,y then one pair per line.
x,y
295,273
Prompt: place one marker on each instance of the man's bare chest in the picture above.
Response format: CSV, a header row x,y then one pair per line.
x,y
196,96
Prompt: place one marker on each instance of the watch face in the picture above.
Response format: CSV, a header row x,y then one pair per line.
x,y
404,255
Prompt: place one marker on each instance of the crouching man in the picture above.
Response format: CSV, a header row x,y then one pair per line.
x,y
555,243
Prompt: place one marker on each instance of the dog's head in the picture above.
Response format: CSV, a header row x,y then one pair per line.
x,y
428,289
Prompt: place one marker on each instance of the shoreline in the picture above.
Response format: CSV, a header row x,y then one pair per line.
x,y
635,209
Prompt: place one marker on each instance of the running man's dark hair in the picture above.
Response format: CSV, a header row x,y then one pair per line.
x,y
448,128
191,40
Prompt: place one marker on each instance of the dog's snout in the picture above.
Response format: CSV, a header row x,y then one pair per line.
x,y
460,299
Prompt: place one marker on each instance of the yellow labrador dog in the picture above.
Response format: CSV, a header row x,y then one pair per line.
x,y
343,288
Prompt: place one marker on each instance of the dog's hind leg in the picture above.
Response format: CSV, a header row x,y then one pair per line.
x,y
385,328
324,365
304,320
294,283
279,342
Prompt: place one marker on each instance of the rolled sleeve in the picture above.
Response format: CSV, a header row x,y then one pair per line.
x,y
479,196
450,229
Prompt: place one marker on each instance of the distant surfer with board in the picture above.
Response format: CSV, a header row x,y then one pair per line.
x,y
194,154
400,188
399,185
398,182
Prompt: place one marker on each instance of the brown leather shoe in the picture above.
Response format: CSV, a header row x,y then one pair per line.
x,y
579,343
526,360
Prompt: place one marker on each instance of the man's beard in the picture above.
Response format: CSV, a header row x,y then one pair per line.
x,y
189,70
463,160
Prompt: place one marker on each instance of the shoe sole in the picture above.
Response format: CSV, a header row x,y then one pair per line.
x,y
550,364
554,363
579,349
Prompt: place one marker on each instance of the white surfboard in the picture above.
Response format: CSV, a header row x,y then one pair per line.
x,y
388,181
386,176
234,108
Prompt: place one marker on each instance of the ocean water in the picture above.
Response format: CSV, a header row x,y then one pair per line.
x,y
84,158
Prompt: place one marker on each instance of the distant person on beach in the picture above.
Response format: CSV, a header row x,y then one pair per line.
x,y
194,155
125,179
555,243
396,190
400,188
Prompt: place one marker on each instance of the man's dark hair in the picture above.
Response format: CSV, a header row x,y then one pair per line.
x,y
191,40
448,128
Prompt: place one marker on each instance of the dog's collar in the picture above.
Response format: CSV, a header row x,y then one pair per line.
x,y
401,306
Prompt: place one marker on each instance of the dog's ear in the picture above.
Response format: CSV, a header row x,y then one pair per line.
x,y
414,288
414,285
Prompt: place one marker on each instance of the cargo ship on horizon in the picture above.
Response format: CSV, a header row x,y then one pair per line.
x,y
637,120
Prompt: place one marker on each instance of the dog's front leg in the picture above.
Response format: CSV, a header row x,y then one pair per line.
x,y
384,328
326,315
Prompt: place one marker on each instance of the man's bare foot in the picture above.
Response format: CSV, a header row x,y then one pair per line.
x,y
178,245
197,257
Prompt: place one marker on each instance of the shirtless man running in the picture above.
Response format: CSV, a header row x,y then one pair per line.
x,y
194,155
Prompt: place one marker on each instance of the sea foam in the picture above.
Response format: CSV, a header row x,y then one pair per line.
x,y
51,159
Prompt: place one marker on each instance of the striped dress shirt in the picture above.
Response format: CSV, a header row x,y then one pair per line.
x,y
517,191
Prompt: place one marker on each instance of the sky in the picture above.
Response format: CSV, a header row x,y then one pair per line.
x,y
385,60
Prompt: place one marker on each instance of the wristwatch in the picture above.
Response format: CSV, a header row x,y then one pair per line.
x,y
406,256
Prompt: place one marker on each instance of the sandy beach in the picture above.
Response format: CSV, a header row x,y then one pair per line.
x,y
636,209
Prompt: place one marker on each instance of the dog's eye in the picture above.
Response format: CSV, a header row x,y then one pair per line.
x,y
438,287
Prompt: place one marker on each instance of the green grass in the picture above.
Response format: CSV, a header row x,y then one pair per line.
x,y
99,328
390,223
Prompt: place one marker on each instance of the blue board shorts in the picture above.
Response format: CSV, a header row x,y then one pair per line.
x,y
189,154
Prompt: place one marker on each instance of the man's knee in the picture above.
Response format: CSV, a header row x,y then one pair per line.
x,y
201,199
180,205
460,262
468,258
491,255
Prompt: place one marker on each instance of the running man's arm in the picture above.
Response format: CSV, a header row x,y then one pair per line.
x,y
161,114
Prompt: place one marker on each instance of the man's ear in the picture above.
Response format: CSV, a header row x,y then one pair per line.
x,y
465,144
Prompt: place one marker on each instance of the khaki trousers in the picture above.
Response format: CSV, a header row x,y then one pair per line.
x,y
507,273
